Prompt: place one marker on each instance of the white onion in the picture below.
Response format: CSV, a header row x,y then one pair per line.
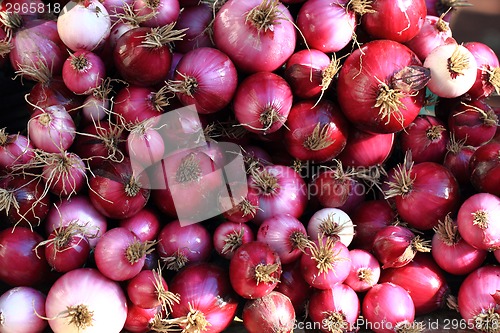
x,y
89,295
453,70
81,27
330,222
21,309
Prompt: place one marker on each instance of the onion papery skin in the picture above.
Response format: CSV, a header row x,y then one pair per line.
x,y
206,288
397,20
244,43
386,305
116,192
271,313
338,306
316,132
365,149
134,61
18,246
37,41
424,281
434,190
485,168
327,26
359,84
476,297
100,295
215,76
478,221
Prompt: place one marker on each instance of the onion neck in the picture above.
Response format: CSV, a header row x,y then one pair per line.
x,y
441,24
232,241
12,21
480,218
269,116
494,78
247,208
133,187
38,71
138,250
389,102
195,322
447,231
454,146
434,132
417,244
403,182
152,4
265,182
176,261
80,63
187,86
458,63
264,273
324,255
162,36
165,297
3,136
335,322
361,7
299,240
160,99
8,200
366,275
80,316
44,119
488,321
264,16
5,47
319,138
330,228
189,170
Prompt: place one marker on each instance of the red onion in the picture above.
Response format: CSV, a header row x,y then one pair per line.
x,y
396,246
15,149
281,191
51,129
316,132
365,271
162,12
119,255
327,26
451,252
457,160
63,173
331,222
473,122
21,262
476,302
254,270
478,221
23,200
307,73
293,285
84,299
365,149
335,309
229,236
179,244
435,32
251,29
286,235
140,320
484,166
373,91
423,280
135,104
205,77
145,145
453,70
84,25
325,263
80,211
245,210
21,309
145,224
149,290
207,303
271,313
115,7
370,217
488,70
426,138
142,49
83,71
262,102
67,248
427,185
197,19
37,43
388,308
116,192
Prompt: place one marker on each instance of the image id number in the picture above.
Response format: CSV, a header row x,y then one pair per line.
x,y
32,8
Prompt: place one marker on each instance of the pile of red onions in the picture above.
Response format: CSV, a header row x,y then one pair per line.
x,y
275,165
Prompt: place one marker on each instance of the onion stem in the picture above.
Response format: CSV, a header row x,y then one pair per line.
x,y
455,146
263,273
447,231
232,241
80,316
161,36
494,78
488,321
5,47
7,201
330,228
434,133
417,244
324,255
189,170
133,187
3,136
265,182
389,102
247,208
138,250
299,240
458,63
269,116
165,297
335,322
186,86
264,16
480,218
319,138
361,7
403,182
365,275
176,261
